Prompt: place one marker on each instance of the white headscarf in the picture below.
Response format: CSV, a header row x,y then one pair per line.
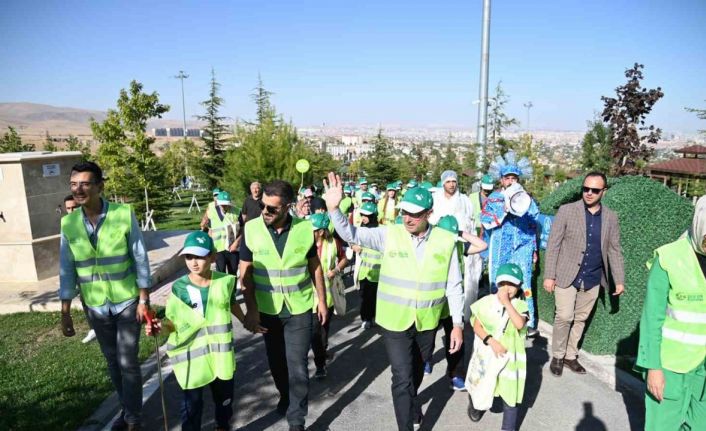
x,y
698,226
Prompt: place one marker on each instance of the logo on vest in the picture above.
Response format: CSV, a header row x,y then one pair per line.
x,y
299,250
401,254
690,298
261,252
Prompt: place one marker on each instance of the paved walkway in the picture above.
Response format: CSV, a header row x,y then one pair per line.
x,y
356,393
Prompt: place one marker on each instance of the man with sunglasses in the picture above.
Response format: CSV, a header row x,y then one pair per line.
x,y
583,243
279,269
419,273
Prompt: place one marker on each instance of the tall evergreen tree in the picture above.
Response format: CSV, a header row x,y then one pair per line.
x,y
214,154
381,166
596,147
261,97
498,121
700,113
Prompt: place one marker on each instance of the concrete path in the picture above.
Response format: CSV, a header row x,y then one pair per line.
x,y
163,248
356,393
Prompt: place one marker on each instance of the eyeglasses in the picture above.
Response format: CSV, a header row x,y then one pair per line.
x,y
81,184
418,215
592,190
273,210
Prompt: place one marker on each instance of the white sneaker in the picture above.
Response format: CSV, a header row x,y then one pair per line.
x,y
89,337
366,324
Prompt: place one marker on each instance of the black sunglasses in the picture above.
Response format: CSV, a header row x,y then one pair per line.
x,y
592,190
272,210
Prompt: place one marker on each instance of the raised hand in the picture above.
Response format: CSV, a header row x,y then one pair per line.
x,y
333,194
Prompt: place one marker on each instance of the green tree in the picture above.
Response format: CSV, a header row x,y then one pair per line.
x,y
381,165
182,158
12,143
74,144
213,152
131,166
49,144
626,116
261,97
596,147
498,121
700,113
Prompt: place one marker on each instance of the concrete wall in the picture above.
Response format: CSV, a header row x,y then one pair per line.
x,y
32,190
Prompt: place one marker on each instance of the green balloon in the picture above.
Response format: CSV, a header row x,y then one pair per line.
x,y
302,166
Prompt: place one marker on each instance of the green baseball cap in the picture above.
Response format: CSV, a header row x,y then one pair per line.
x,y
216,191
368,208
320,221
487,183
509,272
367,196
348,189
426,185
362,180
417,200
198,244
411,183
391,186
449,223
223,198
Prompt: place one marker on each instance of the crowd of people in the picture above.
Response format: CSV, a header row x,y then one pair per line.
x,y
425,258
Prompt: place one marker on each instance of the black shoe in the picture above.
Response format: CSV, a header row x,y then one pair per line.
x,y
320,373
297,428
282,406
532,333
573,365
119,424
473,414
556,366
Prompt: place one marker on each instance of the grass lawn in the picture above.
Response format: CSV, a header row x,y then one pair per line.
x,y
180,219
50,382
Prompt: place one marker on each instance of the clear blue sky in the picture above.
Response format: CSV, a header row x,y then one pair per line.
x,y
358,62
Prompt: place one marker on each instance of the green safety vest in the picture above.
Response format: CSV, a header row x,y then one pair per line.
x,y
329,259
105,273
385,214
219,228
370,261
201,348
410,292
211,210
684,331
446,312
281,279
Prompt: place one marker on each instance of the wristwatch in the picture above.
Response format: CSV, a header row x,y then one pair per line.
x,y
144,302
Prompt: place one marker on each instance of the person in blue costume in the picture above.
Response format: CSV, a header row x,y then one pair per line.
x,y
509,217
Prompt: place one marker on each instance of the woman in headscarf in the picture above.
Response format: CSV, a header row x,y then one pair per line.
x,y
673,332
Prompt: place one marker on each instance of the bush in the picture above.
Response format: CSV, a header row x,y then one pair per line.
x,y
650,215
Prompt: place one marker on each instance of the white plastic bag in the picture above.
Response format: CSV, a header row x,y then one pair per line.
x,y
338,291
482,374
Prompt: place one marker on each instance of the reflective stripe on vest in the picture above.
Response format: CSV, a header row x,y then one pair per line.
x,y
104,272
411,292
201,349
370,265
683,345
219,229
281,279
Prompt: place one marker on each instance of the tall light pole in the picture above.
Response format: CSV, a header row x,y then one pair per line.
x,y
482,135
182,76
529,106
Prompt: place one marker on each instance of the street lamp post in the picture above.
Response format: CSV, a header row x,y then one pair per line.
x,y
482,134
181,76
529,106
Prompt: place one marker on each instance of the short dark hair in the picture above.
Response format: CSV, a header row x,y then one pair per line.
x,y
68,198
281,189
597,174
89,167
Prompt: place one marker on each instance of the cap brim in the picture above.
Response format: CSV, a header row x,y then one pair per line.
x,y
195,251
366,213
486,186
509,278
223,202
412,208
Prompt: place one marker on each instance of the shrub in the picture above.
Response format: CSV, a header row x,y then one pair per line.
x,y
650,215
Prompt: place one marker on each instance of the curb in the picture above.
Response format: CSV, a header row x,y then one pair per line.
x,y
603,367
106,413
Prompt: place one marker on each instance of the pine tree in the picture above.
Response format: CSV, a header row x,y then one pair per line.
x,y
596,148
381,166
214,154
498,121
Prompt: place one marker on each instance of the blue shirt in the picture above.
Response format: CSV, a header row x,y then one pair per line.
x,y
68,288
592,263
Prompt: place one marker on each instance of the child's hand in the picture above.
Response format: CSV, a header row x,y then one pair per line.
x,y
356,248
330,274
497,347
154,328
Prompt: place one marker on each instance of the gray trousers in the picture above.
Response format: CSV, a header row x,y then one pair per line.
x,y
119,337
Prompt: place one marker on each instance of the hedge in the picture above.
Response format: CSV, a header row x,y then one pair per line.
x,y
650,215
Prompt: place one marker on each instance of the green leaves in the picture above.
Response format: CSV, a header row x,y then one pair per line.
x,y
12,143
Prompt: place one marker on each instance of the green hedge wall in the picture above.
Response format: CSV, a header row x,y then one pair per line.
x,y
650,215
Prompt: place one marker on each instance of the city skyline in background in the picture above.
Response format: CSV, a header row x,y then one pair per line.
x,y
396,64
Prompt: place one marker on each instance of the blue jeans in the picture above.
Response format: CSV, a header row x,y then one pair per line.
x,y
192,407
119,337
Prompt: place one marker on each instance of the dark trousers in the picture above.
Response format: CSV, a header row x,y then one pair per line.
x,y
407,351
509,415
287,341
368,293
227,262
119,336
319,338
453,360
192,407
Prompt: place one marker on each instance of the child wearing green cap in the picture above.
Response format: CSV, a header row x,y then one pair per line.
x,y
333,260
199,323
500,321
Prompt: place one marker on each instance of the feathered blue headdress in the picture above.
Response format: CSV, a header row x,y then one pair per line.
x,y
509,165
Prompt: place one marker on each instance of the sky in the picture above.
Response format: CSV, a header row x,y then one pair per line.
x,y
362,62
